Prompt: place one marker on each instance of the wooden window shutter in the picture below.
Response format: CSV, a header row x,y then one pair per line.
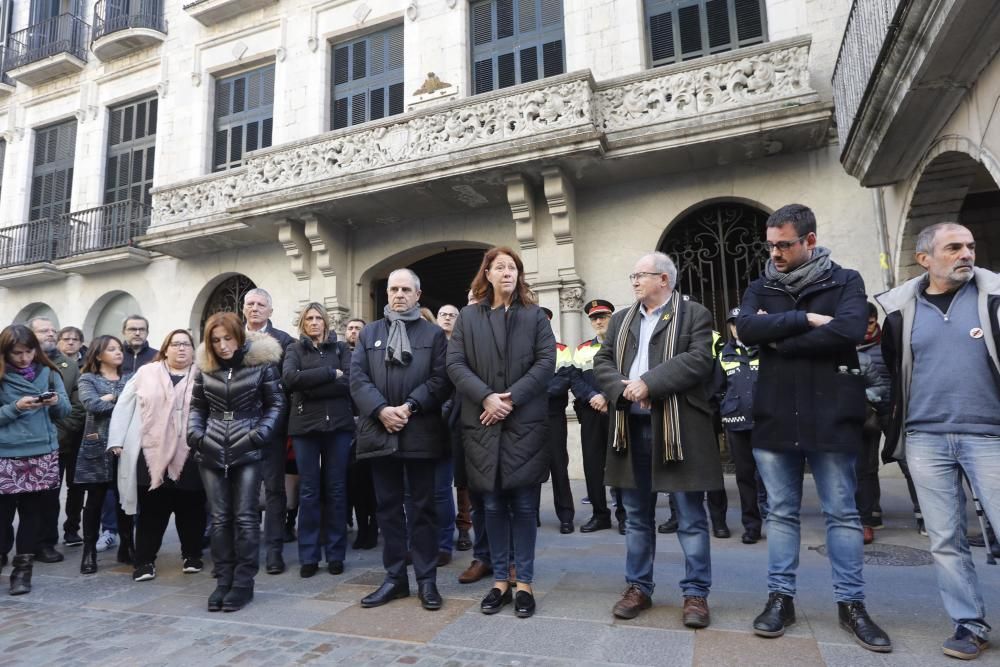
x,y
374,88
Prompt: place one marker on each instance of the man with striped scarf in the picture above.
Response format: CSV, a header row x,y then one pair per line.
x,y
655,368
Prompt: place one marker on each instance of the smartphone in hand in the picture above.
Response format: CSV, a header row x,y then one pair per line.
x,y
46,396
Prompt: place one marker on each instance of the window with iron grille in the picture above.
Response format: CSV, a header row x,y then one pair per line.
x,y
244,115
3,158
52,173
516,41
128,172
681,30
367,82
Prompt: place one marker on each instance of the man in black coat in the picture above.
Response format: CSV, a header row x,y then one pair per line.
x,y
399,383
257,310
807,314
135,336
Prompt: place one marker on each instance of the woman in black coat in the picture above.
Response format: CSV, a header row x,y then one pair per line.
x,y
501,357
237,405
321,423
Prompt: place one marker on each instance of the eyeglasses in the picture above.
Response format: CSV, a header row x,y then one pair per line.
x,y
632,277
180,345
450,316
784,246
135,330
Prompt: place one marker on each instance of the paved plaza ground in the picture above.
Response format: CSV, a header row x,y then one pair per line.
x,y
106,619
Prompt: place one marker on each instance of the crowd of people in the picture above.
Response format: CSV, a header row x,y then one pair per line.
x,y
419,426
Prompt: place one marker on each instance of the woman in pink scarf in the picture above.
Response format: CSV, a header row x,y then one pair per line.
x,y
156,476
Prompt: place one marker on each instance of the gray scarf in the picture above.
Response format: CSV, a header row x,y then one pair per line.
x,y
798,279
397,345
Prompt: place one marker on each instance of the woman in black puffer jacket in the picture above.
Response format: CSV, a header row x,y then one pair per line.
x,y
237,405
321,423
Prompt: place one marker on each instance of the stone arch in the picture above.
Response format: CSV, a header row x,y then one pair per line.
x,y
952,169
703,203
36,309
107,313
414,256
211,296
718,246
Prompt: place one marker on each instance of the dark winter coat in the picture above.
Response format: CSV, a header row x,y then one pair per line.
x,y
251,391
320,401
133,360
70,427
803,401
94,464
376,384
283,338
492,351
688,375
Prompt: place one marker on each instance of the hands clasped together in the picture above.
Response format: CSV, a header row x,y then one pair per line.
x,y
496,407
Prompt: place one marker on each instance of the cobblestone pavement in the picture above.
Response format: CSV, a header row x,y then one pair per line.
x,y
106,619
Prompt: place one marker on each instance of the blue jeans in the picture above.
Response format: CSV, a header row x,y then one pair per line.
x,y
511,515
640,522
833,473
109,511
936,462
322,460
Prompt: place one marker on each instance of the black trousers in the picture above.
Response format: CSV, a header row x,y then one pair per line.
x,y
30,510
235,531
92,514
392,475
49,536
155,508
562,494
747,480
275,500
594,443
361,493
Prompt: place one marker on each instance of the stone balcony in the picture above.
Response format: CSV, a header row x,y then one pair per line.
x,y
211,12
903,68
730,107
123,29
47,50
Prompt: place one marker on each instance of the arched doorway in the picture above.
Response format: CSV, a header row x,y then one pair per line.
x,y
37,309
109,313
719,249
444,278
953,187
226,297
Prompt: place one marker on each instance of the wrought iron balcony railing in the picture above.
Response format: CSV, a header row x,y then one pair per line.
x,y
4,77
115,15
90,230
65,33
870,27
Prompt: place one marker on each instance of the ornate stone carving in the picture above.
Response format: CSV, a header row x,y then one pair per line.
x,y
297,247
412,11
522,207
431,84
162,88
571,299
762,77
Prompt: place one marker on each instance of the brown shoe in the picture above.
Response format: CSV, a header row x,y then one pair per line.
x,y
633,601
696,611
869,534
477,570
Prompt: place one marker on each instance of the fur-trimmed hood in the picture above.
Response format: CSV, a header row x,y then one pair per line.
x,y
260,349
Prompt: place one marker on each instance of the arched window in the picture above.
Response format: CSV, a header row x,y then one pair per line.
x,y
227,297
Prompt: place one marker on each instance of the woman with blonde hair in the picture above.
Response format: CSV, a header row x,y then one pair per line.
x,y
237,405
321,424
157,476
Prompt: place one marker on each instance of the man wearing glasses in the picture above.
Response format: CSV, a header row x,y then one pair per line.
x,y
138,353
807,314
71,344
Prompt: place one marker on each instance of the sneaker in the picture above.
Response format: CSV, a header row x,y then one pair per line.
x,y
964,645
144,572
192,565
72,539
106,540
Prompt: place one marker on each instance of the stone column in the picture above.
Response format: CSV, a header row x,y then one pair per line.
x,y
560,196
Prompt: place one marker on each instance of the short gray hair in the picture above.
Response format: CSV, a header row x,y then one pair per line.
x,y
40,318
663,264
260,291
413,276
925,239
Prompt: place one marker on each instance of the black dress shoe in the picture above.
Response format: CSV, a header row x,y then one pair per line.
x,y
621,527
48,555
387,592
216,598
88,564
495,601
854,618
275,563
751,537
595,524
566,527
335,567
524,604
721,530
464,541
430,599
668,526
237,598
778,614
307,570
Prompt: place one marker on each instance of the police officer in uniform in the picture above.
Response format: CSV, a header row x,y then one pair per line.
x,y
562,494
592,410
735,381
